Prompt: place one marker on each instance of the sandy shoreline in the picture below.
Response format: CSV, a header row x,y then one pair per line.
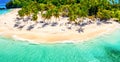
x,y
51,34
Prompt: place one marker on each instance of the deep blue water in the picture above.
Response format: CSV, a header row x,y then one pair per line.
x,y
3,3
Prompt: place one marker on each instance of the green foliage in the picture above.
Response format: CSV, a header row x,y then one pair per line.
x,y
47,15
21,13
117,15
73,9
34,17
73,18
16,3
41,7
56,12
104,14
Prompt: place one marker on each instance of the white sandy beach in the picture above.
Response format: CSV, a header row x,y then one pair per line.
x,y
57,34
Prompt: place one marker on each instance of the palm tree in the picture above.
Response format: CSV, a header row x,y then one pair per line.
x,y
21,13
34,17
104,14
49,6
26,10
41,7
70,8
47,15
72,15
56,13
72,18
65,10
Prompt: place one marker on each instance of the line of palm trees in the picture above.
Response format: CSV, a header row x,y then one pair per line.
x,y
103,9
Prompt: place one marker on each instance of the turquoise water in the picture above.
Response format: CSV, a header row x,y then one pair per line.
x,y
4,11
104,48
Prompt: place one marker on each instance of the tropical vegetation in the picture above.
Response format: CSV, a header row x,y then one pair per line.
x,y
74,9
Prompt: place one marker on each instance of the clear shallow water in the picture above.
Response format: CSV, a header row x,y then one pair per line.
x,y
101,49
4,11
104,48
